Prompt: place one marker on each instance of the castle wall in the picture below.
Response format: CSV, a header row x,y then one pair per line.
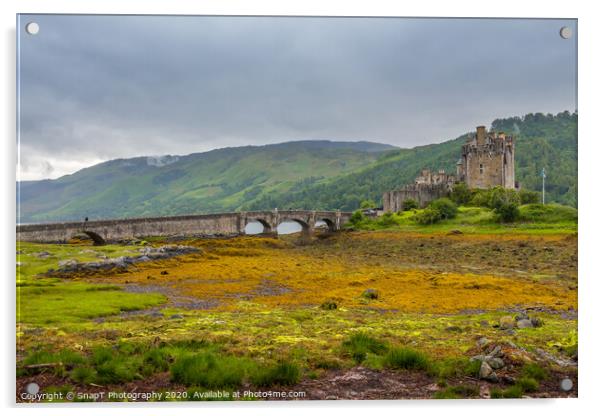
x,y
423,194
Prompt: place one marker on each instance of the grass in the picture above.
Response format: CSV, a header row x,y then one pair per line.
x,y
360,344
460,391
267,325
405,358
533,219
209,370
512,392
282,374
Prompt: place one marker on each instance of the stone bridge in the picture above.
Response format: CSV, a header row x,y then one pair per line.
x,y
186,225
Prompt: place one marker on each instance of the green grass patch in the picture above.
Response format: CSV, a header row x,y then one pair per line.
x,y
360,344
282,374
210,370
512,392
461,391
405,358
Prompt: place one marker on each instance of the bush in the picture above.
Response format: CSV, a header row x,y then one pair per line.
x,y
360,344
507,212
282,374
460,194
550,213
499,196
405,358
446,207
427,216
409,204
367,203
528,197
357,218
328,305
387,220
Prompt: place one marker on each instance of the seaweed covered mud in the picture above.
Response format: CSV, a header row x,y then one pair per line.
x,y
383,314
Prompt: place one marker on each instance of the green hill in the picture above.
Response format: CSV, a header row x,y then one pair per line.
x,y
303,174
219,180
541,141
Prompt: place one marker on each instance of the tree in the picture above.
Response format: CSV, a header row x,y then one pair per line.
x,y
409,204
446,207
460,194
367,203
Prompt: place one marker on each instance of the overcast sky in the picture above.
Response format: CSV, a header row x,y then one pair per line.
x,y
95,88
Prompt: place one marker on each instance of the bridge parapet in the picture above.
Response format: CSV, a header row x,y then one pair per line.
x,y
232,223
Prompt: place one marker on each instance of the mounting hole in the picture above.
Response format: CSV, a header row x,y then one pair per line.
x,y
566,32
32,28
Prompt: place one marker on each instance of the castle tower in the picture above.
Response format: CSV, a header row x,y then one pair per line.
x,y
487,160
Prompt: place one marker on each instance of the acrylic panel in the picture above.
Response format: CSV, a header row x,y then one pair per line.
x,y
295,208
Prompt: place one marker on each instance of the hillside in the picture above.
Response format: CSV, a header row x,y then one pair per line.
x,y
219,180
303,174
541,141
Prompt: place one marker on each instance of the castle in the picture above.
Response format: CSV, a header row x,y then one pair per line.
x,y
487,160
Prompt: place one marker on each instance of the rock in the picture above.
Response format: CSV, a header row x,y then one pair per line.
x,y
495,363
496,352
482,342
68,263
487,373
370,294
479,357
521,316
156,314
484,323
537,322
524,323
164,272
42,255
176,316
506,322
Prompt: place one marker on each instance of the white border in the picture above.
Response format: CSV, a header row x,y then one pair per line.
x,y
590,371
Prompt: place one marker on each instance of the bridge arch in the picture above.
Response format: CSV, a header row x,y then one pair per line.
x,y
305,227
97,240
267,228
330,225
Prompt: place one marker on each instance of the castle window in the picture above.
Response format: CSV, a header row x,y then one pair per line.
x,y
481,168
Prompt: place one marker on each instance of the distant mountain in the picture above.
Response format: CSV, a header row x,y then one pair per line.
x,y
542,141
218,180
302,174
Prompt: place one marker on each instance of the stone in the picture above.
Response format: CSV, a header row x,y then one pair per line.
x,y
524,323
156,314
487,373
176,316
479,357
484,323
495,363
482,342
496,352
506,322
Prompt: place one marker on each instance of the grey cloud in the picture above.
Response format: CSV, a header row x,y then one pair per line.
x,y
101,87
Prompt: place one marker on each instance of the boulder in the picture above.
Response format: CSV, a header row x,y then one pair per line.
x,y
524,323
482,342
506,322
487,373
495,363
